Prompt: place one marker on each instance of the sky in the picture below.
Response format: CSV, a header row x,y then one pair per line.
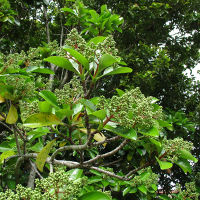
x,y
194,72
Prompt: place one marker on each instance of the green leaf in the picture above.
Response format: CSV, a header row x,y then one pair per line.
x,y
120,92
88,104
164,197
101,114
61,62
121,131
42,156
37,147
5,155
4,149
95,196
105,61
184,165
44,106
42,119
119,70
12,116
50,97
75,173
158,144
97,40
144,176
143,189
94,179
44,71
79,57
65,9
187,155
126,191
163,164
62,113
152,132
154,187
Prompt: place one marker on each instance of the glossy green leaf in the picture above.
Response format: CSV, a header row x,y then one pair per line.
x,y
120,92
61,62
143,189
67,10
88,104
121,131
101,114
44,106
105,61
42,119
12,116
97,40
79,57
95,196
42,156
75,173
152,132
184,165
94,179
118,70
154,187
50,97
5,155
126,191
187,155
163,164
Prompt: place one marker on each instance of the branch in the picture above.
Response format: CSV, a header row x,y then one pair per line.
x,y
31,178
107,154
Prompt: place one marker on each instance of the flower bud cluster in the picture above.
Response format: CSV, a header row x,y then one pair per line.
x,y
90,50
22,88
172,147
147,182
132,109
28,108
56,186
70,93
190,191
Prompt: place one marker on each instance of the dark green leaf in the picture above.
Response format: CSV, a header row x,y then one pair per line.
x,y
121,131
184,165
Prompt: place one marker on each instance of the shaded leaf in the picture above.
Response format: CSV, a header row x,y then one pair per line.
x,y
42,156
37,147
2,99
184,165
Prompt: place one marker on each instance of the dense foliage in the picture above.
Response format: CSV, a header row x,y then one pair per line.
x,y
60,102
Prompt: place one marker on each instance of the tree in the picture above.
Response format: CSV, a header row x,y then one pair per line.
x,y
127,127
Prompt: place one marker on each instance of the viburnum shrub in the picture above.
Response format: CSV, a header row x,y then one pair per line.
x,y
55,119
